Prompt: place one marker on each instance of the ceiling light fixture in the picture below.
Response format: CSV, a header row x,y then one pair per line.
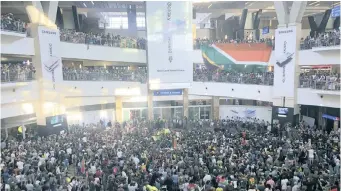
x,y
85,5
313,3
317,5
209,5
92,3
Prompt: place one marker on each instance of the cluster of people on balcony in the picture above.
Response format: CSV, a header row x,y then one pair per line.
x,y
316,79
198,42
206,75
72,36
17,72
10,23
108,73
331,38
232,153
319,79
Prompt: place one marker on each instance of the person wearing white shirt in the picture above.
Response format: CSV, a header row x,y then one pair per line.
x,y
20,165
69,151
207,177
311,155
119,153
284,183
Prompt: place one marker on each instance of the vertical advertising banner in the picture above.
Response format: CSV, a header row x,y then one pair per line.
x,y
170,42
285,50
51,62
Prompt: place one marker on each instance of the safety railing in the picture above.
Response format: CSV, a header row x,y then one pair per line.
x,y
13,26
104,41
102,76
320,84
320,42
17,76
263,80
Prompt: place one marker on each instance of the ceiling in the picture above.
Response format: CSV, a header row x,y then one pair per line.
x,y
216,8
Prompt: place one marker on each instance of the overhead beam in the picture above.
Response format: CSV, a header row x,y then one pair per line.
x,y
297,11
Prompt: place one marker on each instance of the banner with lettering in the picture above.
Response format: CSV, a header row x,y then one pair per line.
x,y
50,59
284,68
170,42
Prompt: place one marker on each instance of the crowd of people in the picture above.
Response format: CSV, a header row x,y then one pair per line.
x,y
315,79
72,36
105,74
140,74
260,78
322,80
10,23
331,38
198,42
18,72
233,154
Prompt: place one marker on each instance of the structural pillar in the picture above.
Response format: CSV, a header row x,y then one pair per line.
x,y
118,109
215,108
286,68
150,105
48,64
185,102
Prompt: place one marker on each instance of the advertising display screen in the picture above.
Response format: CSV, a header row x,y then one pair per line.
x,y
56,121
283,111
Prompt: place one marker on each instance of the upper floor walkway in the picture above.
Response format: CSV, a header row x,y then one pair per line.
x,y
131,51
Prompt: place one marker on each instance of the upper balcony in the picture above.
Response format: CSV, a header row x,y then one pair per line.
x,y
130,50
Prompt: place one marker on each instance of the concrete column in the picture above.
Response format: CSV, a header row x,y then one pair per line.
x,y
42,14
23,132
321,120
249,22
50,9
185,102
48,64
118,109
287,75
150,105
330,23
6,132
215,108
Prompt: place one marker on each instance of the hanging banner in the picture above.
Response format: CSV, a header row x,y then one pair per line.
x,y
285,50
170,42
50,59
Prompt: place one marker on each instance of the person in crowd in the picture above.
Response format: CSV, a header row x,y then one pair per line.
x,y
205,158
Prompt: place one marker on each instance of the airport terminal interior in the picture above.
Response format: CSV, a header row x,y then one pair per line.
x,y
170,95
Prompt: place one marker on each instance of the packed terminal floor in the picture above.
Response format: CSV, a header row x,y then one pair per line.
x,y
231,154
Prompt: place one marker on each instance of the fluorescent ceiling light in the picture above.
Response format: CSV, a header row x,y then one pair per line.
x,y
92,2
209,5
85,5
317,5
313,3
337,3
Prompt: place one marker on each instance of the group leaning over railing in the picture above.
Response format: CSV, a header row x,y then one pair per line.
x,y
20,72
102,39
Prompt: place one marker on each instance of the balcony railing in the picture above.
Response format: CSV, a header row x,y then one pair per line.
x,y
102,76
15,76
320,84
263,80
